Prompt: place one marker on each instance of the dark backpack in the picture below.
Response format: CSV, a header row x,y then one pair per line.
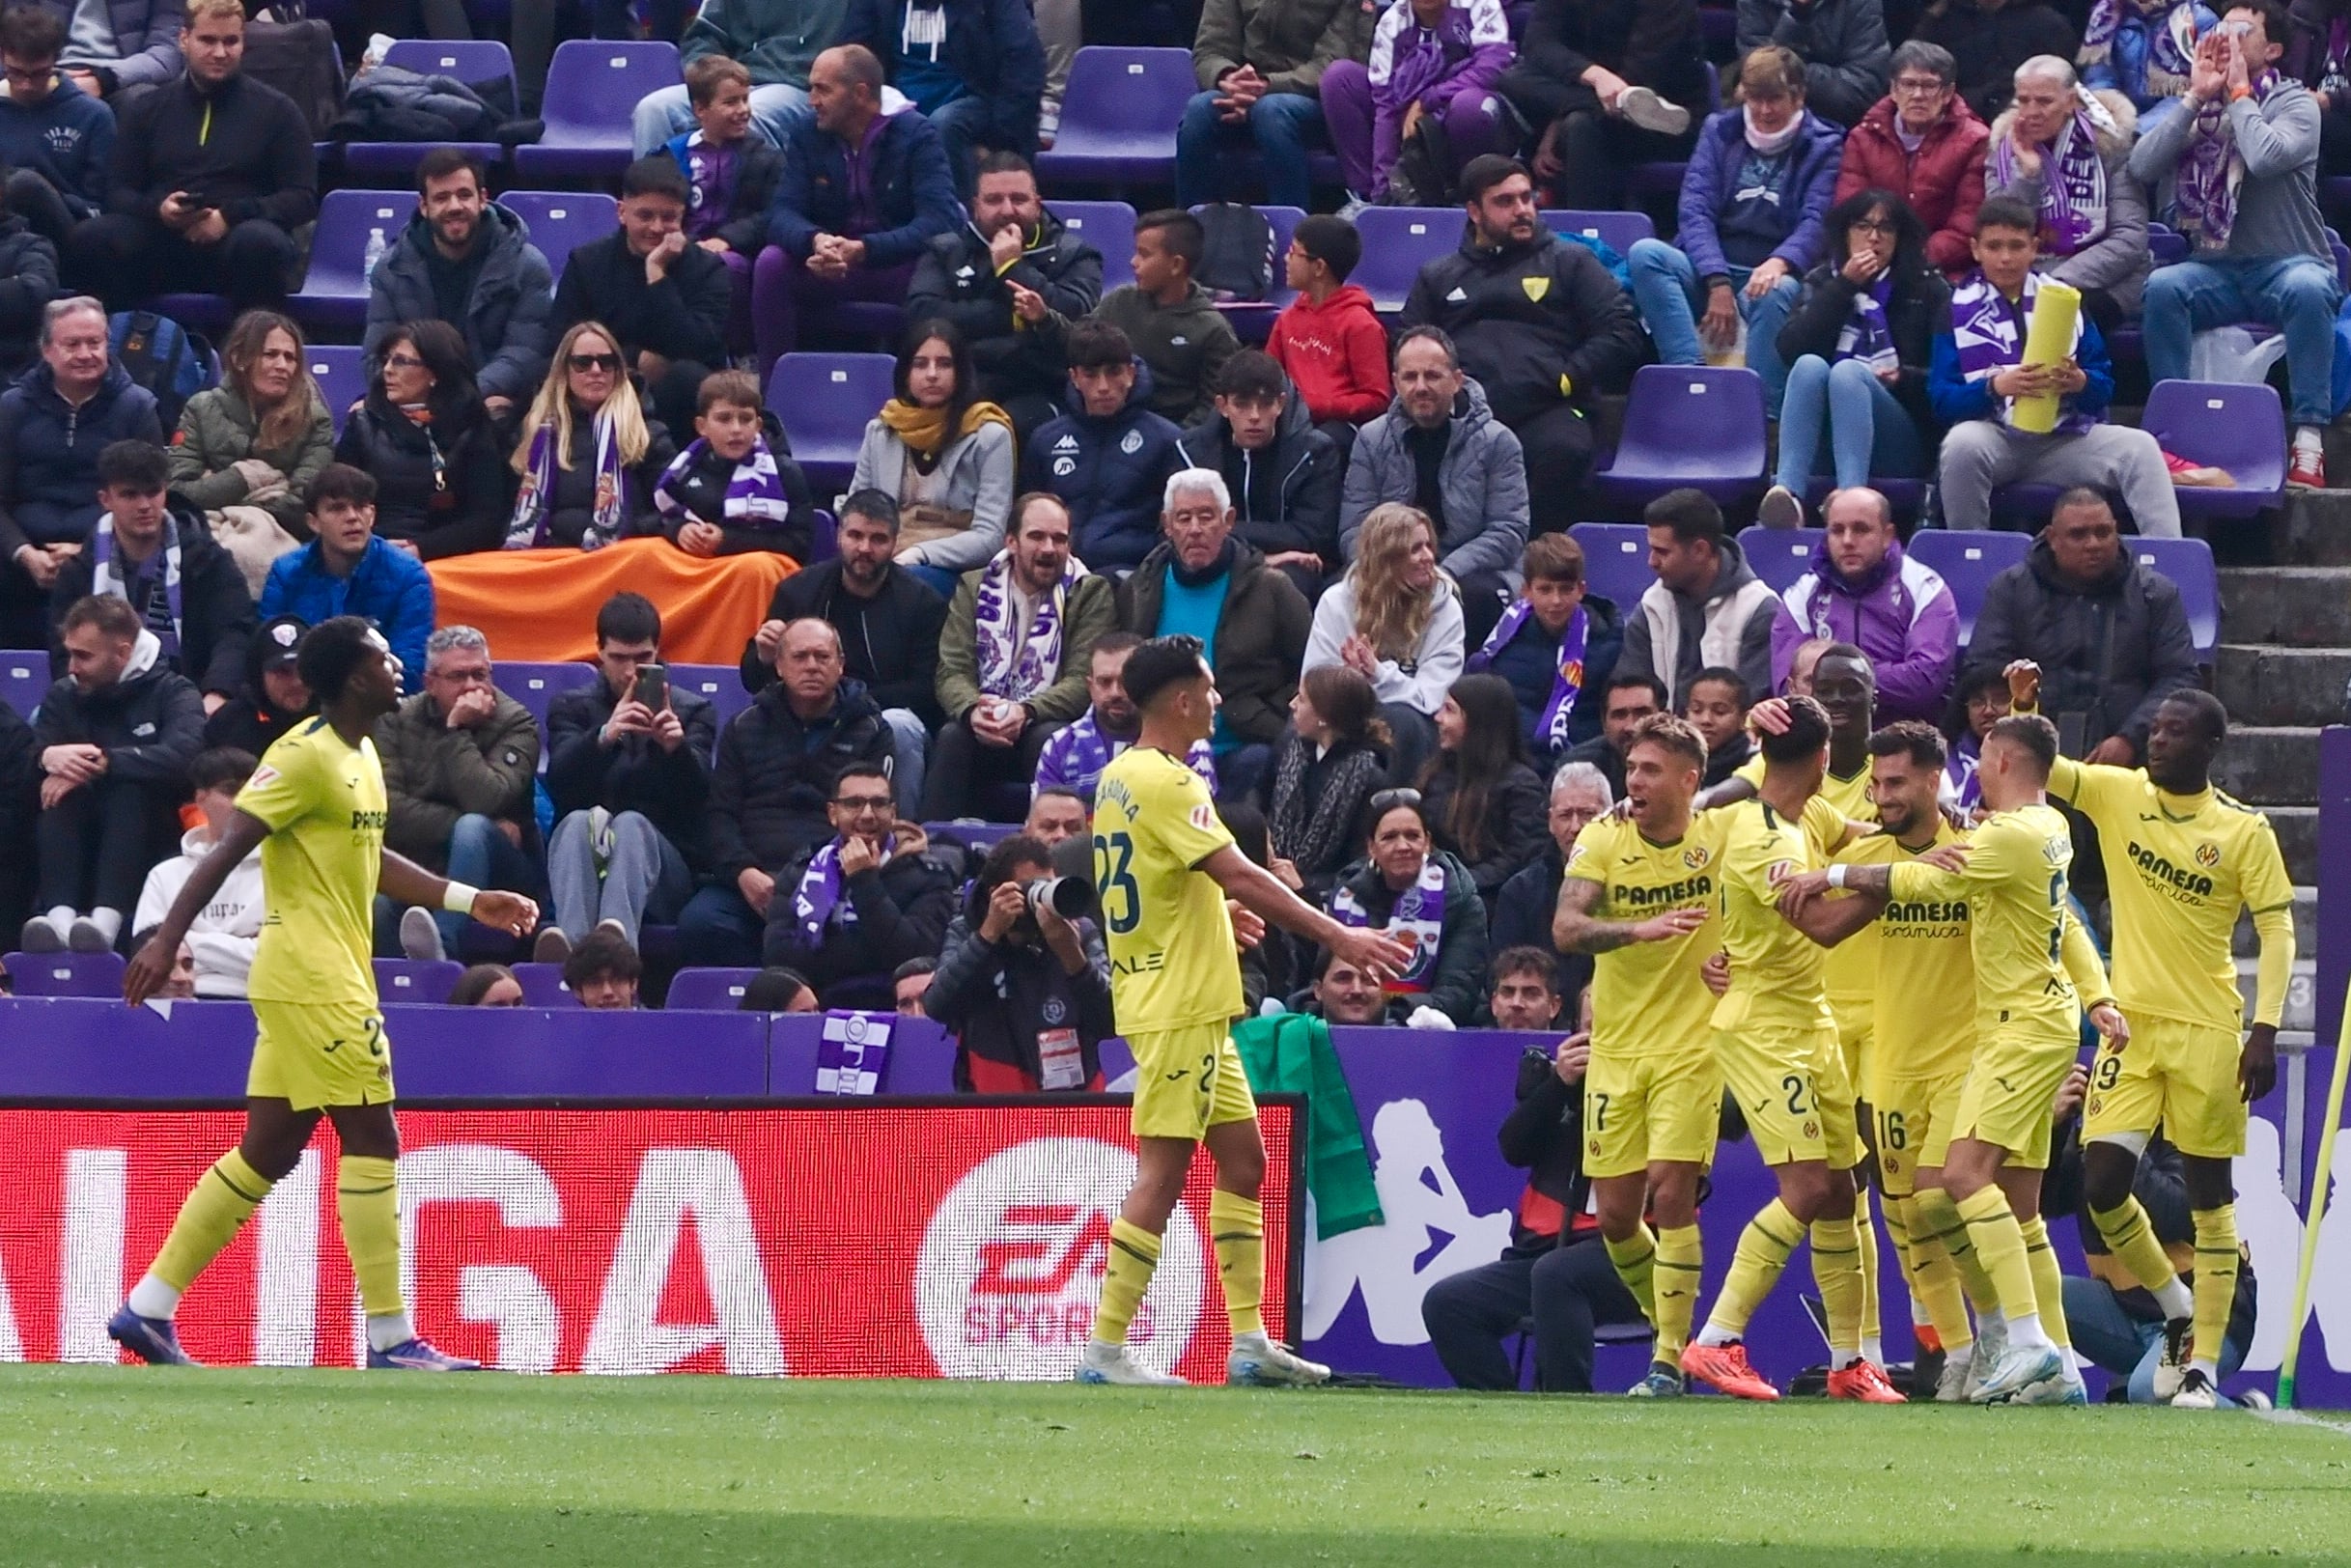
x,y
1236,252
299,58
162,356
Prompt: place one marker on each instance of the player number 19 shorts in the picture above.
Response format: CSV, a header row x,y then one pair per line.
x,y
1188,1081
1650,1107
315,1054
2182,1075
1791,1086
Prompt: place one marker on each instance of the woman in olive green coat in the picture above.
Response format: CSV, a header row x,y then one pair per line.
x,y
247,449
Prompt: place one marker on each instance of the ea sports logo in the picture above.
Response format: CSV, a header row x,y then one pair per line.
x,y
1012,1265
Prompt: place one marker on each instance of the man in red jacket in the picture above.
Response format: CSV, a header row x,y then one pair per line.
x,y
1924,143
1328,339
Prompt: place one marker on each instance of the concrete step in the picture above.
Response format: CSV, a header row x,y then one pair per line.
x,y
2306,927
2273,684
2266,764
2301,994
2301,607
2312,528
2297,828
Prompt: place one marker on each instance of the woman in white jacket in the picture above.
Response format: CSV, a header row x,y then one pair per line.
x,y
226,928
1395,619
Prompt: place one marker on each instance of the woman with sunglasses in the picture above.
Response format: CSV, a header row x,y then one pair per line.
x,y
590,455
438,464
1856,348
947,454
1420,894
1395,620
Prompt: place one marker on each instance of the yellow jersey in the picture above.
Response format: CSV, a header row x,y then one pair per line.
x,y
324,804
1924,976
2015,890
1647,997
1850,972
1775,968
2178,867
1172,960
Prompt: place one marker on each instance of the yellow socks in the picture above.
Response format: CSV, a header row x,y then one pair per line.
x,y
1999,1242
1934,1277
1837,1268
209,1219
1134,1252
1764,1249
1939,1222
1679,1256
1236,1227
2216,1283
2131,1238
1635,1260
367,1201
1865,1238
2048,1280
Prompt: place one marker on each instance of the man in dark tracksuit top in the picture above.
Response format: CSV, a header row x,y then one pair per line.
x,y
1283,473
1540,324
210,176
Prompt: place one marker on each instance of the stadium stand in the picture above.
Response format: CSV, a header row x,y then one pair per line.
x,y
592,85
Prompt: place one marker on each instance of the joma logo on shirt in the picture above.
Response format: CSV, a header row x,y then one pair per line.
x,y
369,821
2183,877
1688,888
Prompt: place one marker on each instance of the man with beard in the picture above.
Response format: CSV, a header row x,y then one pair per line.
x,y
1073,757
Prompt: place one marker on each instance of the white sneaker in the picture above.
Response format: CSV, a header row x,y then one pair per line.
x,y
2196,1391
1951,1386
2064,1389
552,945
1111,1364
2018,1368
95,932
1990,1343
1352,208
1257,1361
2173,1366
1049,123
46,932
613,925
1642,107
1780,508
420,934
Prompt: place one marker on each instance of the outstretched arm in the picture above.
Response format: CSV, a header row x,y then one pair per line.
x,y
403,880
152,964
1262,894
1574,930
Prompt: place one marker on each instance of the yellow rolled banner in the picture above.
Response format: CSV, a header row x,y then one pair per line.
x,y
2056,310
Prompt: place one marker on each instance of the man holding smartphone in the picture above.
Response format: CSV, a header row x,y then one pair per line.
x,y
629,770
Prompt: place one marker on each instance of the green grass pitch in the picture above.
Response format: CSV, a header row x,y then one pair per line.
x,y
121,1466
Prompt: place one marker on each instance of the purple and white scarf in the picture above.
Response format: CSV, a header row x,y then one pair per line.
x,y
2171,29
2073,176
853,1055
754,492
106,577
1867,335
817,901
1552,727
1075,757
1419,915
1012,665
534,501
2204,191
1989,334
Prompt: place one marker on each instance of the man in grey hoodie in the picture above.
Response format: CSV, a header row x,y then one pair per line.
x,y
1707,606
2242,157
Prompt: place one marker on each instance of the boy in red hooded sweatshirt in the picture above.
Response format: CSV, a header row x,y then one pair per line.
x,y
1328,339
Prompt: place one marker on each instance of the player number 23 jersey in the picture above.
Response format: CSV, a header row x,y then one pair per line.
x,y
326,805
1172,960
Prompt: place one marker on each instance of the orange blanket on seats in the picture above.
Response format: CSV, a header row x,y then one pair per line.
x,y
538,606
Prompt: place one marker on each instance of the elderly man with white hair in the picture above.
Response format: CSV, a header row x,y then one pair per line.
x,y
2064,150
1523,909
1204,580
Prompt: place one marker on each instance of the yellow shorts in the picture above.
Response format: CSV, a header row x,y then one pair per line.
x,y
1856,1033
1792,1088
2010,1093
1188,1081
2179,1073
315,1054
1655,1105
1915,1117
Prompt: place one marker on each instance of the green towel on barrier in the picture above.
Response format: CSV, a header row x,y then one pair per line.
x,y
1291,1054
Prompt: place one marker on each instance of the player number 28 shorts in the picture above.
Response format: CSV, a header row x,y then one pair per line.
x,y
316,1054
1792,1087
1188,1081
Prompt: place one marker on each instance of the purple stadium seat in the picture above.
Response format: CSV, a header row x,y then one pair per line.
x,y
709,990
1119,118
1616,561
425,980
1695,425
334,295
561,220
1397,241
1779,555
25,677
719,685
1252,320
340,369
542,985
825,401
824,538
469,61
1968,560
65,974
2239,427
593,86
1109,228
977,836
2188,563
197,312
1616,230
2164,245
537,686
1664,176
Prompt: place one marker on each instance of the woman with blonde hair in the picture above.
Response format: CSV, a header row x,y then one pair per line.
x,y
589,453
1396,619
247,449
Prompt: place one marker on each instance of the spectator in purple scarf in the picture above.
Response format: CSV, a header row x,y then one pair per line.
x,y
1432,62
2064,150
1865,591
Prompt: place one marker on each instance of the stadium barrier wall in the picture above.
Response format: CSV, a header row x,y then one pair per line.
x,y
1429,1103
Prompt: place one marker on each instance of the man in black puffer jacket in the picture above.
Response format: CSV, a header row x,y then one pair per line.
x,y
1283,473
1109,457
773,788
875,894
28,282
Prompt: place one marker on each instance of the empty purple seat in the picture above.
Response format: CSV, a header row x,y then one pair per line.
x,y
1252,320
593,87
1966,560
425,980
1397,242
340,371
718,685
825,401
335,293
824,538
1616,561
709,990
536,686
542,985
1689,425
2226,425
2164,245
1618,231
977,836
560,221
65,974
2188,563
1119,118
1779,555
25,677
1109,228
470,60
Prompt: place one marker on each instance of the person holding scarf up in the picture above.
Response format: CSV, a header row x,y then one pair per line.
x,y
2064,151
863,902
1420,894
1557,642
2243,160
2143,49
589,458
1013,659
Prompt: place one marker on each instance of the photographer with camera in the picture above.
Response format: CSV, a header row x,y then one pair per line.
x,y
1024,980
874,895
